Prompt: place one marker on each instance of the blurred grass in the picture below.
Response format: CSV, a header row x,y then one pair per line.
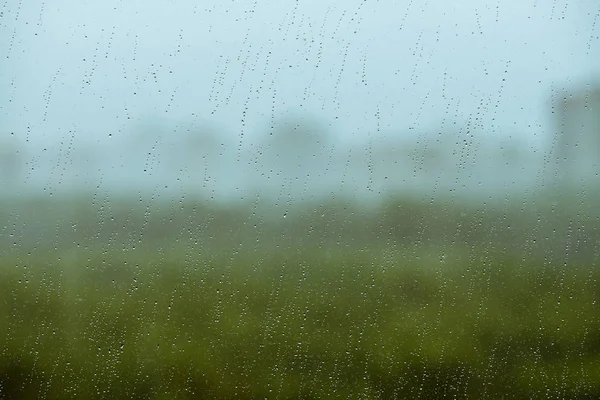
x,y
331,322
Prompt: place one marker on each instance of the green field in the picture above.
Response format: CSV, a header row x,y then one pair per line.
x,y
314,323
113,298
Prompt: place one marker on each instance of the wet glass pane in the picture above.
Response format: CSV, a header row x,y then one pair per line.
x,y
299,199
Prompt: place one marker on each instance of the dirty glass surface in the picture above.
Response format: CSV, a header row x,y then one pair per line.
x,y
299,199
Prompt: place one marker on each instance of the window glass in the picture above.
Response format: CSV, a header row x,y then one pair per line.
x,y
299,199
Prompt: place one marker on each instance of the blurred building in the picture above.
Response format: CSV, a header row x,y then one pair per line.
x,y
577,141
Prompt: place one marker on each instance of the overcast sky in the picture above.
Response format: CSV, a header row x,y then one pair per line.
x,y
81,70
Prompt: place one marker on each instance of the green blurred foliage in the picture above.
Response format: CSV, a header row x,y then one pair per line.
x,y
176,298
336,322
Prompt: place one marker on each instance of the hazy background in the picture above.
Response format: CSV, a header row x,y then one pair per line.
x,y
299,199
183,96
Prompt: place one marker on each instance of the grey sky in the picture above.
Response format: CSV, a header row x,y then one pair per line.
x,y
78,77
87,68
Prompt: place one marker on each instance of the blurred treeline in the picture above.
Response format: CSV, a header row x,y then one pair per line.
x,y
295,156
556,227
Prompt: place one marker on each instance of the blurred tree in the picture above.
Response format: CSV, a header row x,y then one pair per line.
x,y
296,154
200,156
11,161
297,140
